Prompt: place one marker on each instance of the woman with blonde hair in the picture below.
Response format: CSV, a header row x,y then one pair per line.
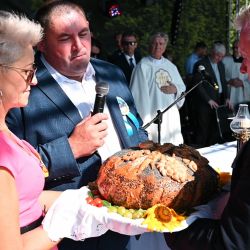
x,y
22,199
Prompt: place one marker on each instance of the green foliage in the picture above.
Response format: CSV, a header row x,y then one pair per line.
x,y
142,20
200,21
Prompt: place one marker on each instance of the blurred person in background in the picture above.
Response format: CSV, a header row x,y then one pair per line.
x,y
128,58
96,49
238,83
209,95
200,50
156,84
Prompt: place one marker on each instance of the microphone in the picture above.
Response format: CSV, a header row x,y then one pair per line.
x,y
204,74
102,89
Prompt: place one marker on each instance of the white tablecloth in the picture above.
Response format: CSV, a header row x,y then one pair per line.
x,y
220,156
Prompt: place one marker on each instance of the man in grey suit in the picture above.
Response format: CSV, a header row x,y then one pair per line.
x,y
58,120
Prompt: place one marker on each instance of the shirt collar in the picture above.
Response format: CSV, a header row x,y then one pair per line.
x,y
128,57
89,74
156,61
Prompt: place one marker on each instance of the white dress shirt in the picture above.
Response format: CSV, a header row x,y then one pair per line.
x,y
133,59
217,74
82,95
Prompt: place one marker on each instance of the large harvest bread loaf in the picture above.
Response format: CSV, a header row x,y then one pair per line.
x,y
178,177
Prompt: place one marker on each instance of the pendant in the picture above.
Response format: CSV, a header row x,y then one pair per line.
x,y
44,169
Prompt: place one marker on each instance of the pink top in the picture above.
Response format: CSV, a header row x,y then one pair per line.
x,y
16,156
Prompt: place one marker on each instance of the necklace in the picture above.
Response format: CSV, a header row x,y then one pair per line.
x,y
28,149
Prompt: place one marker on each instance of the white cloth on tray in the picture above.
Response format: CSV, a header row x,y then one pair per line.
x,y
71,217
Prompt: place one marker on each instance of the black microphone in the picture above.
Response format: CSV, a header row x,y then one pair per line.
x,y
102,89
204,75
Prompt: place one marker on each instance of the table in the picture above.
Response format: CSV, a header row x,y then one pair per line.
x,y
220,156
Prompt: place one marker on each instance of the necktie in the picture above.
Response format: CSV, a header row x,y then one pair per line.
x,y
131,64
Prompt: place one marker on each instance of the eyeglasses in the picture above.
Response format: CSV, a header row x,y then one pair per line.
x,y
29,72
127,43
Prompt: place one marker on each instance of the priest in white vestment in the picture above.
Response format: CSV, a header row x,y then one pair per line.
x,y
238,83
155,84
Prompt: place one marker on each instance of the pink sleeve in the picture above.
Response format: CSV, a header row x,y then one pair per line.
x,y
8,157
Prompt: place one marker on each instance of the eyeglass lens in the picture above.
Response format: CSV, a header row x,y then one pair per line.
x,y
30,75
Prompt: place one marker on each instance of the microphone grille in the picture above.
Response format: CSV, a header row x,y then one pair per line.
x,y
102,88
201,68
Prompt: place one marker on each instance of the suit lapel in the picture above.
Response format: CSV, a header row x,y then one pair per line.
x,y
211,71
56,94
124,61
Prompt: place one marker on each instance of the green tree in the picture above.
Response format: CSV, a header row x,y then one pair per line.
x,y
200,20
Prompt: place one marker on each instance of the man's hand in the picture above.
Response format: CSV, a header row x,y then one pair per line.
x,y
170,89
88,135
213,104
236,82
229,104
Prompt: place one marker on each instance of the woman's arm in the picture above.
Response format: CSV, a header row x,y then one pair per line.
x,y
11,238
47,198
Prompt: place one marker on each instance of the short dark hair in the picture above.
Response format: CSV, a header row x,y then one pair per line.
x,y
128,33
201,45
43,14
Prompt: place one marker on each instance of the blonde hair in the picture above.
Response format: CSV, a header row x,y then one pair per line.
x,y
16,33
242,18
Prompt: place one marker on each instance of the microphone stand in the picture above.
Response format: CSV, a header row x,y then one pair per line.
x,y
158,118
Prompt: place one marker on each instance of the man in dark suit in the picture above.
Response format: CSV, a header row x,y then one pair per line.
x,y
129,57
57,121
210,95
232,230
